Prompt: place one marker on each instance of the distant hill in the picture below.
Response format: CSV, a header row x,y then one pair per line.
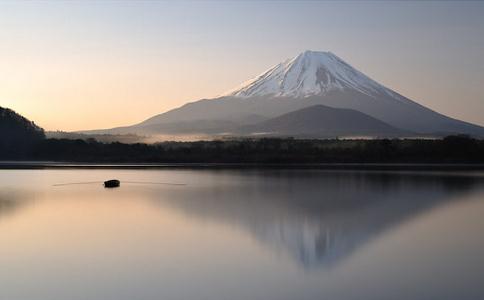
x,y
324,121
17,133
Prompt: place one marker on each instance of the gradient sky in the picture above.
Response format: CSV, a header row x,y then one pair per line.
x,y
89,65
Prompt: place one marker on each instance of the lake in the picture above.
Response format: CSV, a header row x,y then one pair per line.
x,y
241,234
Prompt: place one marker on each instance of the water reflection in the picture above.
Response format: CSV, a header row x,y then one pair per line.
x,y
11,201
241,235
318,218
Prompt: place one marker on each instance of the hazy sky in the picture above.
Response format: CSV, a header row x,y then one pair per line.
x,y
86,65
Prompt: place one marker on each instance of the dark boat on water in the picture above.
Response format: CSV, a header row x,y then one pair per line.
x,y
111,183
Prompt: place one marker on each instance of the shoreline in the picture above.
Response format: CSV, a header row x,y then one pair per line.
x,y
21,165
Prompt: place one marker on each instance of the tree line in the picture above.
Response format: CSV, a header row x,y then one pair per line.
x,y
451,149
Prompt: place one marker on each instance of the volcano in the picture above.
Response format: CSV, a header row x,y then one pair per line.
x,y
311,78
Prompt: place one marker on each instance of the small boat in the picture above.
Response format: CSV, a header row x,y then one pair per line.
x,y
111,183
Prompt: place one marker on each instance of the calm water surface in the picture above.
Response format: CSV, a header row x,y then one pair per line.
x,y
241,235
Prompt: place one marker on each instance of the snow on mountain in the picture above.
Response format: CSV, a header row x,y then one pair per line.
x,y
310,73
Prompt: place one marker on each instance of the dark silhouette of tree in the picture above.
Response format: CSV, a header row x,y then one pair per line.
x,y
274,151
17,134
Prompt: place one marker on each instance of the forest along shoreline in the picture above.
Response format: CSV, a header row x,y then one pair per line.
x,y
22,140
451,152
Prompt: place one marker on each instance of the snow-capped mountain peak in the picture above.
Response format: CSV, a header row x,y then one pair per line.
x,y
309,73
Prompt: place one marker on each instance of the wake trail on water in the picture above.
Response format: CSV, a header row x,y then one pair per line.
x,y
132,182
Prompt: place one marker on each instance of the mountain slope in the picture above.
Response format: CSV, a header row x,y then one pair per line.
x,y
311,78
16,128
323,121
17,134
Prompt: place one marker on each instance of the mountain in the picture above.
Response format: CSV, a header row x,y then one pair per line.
x,y
17,133
311,78
323,121
16,127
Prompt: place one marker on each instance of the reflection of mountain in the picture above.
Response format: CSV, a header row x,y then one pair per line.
x,y
319,218
10,202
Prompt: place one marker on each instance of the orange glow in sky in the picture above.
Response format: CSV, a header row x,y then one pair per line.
x,y
92,65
